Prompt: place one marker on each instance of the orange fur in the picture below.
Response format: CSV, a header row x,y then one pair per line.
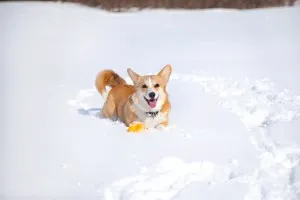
x,y
108,78
122,100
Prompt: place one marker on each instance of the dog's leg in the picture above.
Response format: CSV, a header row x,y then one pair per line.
x,y
131,120
162,125
109,109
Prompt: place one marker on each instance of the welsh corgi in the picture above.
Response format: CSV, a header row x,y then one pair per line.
x,y
146,101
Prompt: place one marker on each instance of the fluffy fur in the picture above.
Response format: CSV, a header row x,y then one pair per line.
x,y
145,101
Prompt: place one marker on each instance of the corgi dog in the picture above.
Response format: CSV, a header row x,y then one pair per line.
x,y
146,101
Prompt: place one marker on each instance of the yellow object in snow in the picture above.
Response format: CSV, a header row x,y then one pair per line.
x,y
137,127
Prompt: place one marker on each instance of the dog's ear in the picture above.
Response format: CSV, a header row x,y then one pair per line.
x,y
134,76
165,73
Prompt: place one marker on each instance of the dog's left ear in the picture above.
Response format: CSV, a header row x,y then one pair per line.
x,y
134,76
165,73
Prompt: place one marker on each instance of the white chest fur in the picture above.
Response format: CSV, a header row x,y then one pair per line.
x,y
150,122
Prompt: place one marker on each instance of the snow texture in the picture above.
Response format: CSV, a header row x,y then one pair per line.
x,y
234,126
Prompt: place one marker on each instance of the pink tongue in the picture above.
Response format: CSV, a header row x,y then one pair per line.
x,y
152,104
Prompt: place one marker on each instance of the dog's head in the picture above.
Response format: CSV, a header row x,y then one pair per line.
x,y
151,91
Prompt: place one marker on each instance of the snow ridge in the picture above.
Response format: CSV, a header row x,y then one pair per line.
x,y
166,179
259,105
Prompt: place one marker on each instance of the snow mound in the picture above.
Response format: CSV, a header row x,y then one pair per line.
x,y
166,179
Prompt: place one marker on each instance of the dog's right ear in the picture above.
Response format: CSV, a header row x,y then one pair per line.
x,y
165,73
134,76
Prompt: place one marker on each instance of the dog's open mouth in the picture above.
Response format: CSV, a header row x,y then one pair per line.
x,y
151,102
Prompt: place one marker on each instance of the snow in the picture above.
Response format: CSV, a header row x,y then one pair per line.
x,y
234,131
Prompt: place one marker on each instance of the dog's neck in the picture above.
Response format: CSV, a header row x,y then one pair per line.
x,y
152,114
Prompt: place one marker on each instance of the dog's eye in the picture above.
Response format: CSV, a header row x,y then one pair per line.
x,y
144,86
156,85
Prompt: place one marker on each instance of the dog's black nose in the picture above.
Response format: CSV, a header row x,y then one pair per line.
x,y
151,94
